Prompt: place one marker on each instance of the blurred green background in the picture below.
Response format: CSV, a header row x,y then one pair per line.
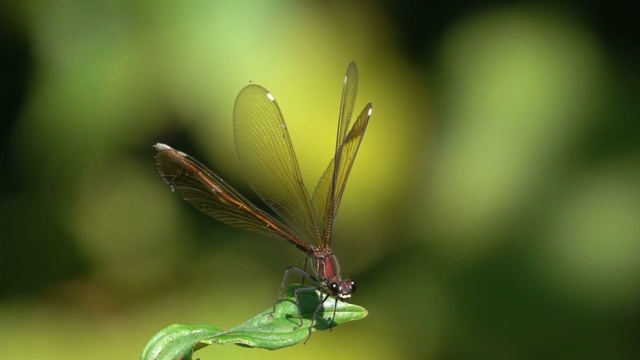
x,y
493,212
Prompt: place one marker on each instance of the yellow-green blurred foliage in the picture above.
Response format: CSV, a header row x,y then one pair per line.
x,y
493,210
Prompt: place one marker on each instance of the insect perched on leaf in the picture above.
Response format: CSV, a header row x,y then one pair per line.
x,y
266,154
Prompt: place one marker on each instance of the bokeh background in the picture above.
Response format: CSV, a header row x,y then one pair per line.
x,y
493,212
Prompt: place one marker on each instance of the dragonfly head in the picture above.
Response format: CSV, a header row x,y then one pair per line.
x,y
342,289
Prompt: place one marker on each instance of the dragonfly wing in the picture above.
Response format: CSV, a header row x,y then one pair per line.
x,y
208,193
330,187
347,103
337,173
266,155
321,196
348,153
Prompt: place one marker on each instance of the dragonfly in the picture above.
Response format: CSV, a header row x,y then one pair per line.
x,y
266,155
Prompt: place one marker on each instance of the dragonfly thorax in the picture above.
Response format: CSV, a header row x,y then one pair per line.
x,y
327,268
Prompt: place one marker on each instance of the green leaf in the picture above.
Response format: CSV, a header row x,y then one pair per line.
x,y
177,341
277,327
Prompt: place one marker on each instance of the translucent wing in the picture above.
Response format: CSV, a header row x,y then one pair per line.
x,y
339,175
347,102
208,193
328,192
266,154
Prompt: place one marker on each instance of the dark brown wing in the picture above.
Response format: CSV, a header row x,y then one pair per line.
x,y
208,193
266,154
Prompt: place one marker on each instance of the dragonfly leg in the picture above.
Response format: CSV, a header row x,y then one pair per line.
x,y
297,293
285,278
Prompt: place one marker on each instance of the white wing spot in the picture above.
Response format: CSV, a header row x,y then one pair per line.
x,y
370,111
345,79
270,97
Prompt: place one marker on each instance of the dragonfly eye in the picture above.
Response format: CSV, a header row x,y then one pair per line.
x,y
333,287
353,286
